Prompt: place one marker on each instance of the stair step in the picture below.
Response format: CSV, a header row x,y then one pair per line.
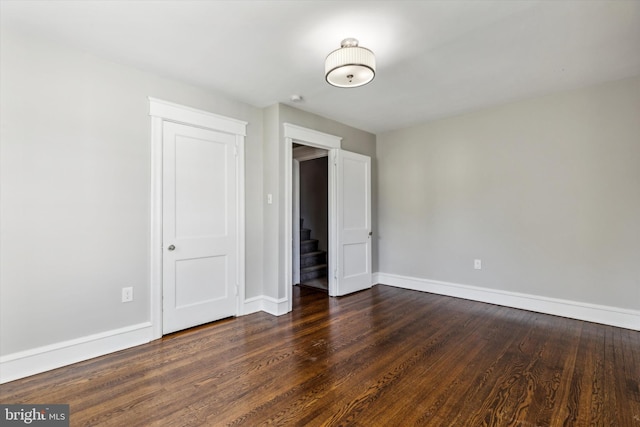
x,y
308,254
313,268
313,258
313,272
307,246
305,234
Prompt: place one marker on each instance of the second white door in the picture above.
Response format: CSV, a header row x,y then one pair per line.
x,y
199,235
353,219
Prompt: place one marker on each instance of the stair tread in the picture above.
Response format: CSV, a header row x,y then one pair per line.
x,y
313,268
309,254
310,240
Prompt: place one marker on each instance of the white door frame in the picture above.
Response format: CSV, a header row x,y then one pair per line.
x,y
313,138
295,194
161,111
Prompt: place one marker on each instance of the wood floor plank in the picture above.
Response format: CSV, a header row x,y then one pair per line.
x,y
630,342
380,357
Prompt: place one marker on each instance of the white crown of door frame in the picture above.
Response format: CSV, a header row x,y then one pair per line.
x,y
313,138
161,111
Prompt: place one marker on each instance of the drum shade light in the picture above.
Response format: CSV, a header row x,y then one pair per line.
x,y
350,66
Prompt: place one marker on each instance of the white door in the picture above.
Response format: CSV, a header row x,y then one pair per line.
x,y
353,222
199,232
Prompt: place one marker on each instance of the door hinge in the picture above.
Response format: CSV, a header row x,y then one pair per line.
x,y
335,274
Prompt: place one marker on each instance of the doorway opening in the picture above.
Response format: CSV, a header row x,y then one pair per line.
x,y
349,214
311,205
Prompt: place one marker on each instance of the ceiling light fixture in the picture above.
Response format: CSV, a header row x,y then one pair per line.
x,y
350,66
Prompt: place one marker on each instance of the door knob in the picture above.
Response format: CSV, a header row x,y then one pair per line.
x,y
171,248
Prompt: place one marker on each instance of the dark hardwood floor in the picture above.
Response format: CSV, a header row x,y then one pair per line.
x,y
381,357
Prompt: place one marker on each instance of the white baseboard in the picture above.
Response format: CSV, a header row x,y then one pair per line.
x,y
30,362
607,315
251,305
276,307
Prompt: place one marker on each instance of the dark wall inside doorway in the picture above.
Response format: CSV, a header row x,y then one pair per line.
x,y
314,198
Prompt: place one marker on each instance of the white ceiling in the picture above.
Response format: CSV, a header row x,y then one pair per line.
x,y
435,58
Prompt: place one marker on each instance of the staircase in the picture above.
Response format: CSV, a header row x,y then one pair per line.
x,y
313,262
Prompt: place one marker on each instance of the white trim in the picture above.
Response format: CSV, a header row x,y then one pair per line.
x,y
252,305
30,362
287,262
332,201
295,225
155,248
275,307
182,114
607,315
240,242
293,133
311,137
161,111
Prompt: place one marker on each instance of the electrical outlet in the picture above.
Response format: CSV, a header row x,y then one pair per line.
x,y
477,264
127,294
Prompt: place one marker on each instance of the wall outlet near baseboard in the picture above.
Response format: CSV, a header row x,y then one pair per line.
x,y
127,294
477,264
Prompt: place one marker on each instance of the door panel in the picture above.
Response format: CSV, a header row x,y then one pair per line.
x,y
355,183
353,222
192,280
199,226
355,260
201,187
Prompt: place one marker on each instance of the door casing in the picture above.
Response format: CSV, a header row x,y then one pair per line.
x,y
161,111
312,138
309,137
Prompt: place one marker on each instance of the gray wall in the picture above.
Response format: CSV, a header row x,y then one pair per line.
x,y
546,192
75,190
314,206
270,185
